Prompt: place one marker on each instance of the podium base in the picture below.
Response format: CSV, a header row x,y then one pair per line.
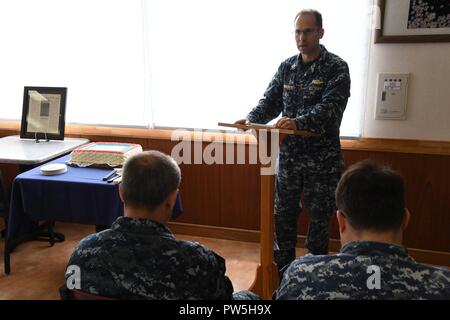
x,y
266,281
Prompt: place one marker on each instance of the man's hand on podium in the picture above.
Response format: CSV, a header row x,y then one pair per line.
x,y
285,123
244,122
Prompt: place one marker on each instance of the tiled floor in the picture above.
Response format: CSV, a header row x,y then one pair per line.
x,y
37,270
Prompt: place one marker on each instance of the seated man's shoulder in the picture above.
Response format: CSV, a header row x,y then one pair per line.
x,y
98,238
438,270
437,275
315,267
310,277
311,259
199,251
95,244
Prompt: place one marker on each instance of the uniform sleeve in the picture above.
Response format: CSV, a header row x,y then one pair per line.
x,y
285,290
329,111
88,260
220,287
271,105
300,281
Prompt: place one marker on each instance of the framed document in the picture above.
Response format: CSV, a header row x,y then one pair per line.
x,y
43,113
405,21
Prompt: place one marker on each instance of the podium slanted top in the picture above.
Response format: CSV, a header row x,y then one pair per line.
x,y
259,126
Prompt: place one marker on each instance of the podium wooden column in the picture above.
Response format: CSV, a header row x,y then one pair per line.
x,y
266,279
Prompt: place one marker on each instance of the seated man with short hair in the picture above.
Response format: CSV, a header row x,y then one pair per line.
x,y
139,257
372,263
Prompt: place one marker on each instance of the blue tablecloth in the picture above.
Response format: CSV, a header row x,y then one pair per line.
x,y
79,195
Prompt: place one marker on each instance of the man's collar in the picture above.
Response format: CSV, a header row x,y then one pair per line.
x,y
140,226
322,56
374,248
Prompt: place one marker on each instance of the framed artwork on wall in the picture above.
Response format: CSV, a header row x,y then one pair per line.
x,y
403,21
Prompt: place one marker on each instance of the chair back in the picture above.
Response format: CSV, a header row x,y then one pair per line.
x,y
82,295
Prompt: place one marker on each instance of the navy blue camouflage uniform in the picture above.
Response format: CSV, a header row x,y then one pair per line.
x,y
315,95
141,259
346,275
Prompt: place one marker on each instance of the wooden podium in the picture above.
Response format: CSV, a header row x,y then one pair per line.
x,y
266,280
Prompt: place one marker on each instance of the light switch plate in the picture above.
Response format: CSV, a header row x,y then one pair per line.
x,y
391,99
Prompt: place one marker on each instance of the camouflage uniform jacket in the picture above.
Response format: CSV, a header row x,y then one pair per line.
x,y
141,259
346,275
315,95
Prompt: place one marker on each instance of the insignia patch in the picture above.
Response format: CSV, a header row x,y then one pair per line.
x,y
317,82
288,87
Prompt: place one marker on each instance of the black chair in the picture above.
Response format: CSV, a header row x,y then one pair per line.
x,y
76,294
81,295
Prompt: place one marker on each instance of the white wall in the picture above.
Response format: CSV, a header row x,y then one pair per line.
x,y
428,105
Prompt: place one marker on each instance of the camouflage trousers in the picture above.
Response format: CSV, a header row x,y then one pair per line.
x,y
318,186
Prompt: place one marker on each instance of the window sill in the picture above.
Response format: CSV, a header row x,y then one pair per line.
x,y
362,144
142,133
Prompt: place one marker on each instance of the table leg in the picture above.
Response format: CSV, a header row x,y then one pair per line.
x,y
43,232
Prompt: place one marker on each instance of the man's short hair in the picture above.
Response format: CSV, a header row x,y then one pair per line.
x,y
148,178
371,197
313,12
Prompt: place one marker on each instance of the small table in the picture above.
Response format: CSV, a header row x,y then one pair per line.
x,y
27,153
79,195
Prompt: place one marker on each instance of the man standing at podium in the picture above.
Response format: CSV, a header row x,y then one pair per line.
x,y
310,90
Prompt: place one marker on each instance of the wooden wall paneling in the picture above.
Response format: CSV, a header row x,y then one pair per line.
x,y
160,145
428,199
200,191
9,172
413,169
239,187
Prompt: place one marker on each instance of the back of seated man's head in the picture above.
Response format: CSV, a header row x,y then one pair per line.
x,y
371,198
148,180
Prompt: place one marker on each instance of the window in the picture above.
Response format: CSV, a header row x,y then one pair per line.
x,y
94,48
211,61
171,63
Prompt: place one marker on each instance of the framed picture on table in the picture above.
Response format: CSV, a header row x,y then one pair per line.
x,y
43,113
403,21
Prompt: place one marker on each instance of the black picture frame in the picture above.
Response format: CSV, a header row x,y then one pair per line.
x,y
419,36
52,113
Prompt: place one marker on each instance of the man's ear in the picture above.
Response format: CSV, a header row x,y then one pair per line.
x,y
341,221
172,197
321,33
121,192
406,218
